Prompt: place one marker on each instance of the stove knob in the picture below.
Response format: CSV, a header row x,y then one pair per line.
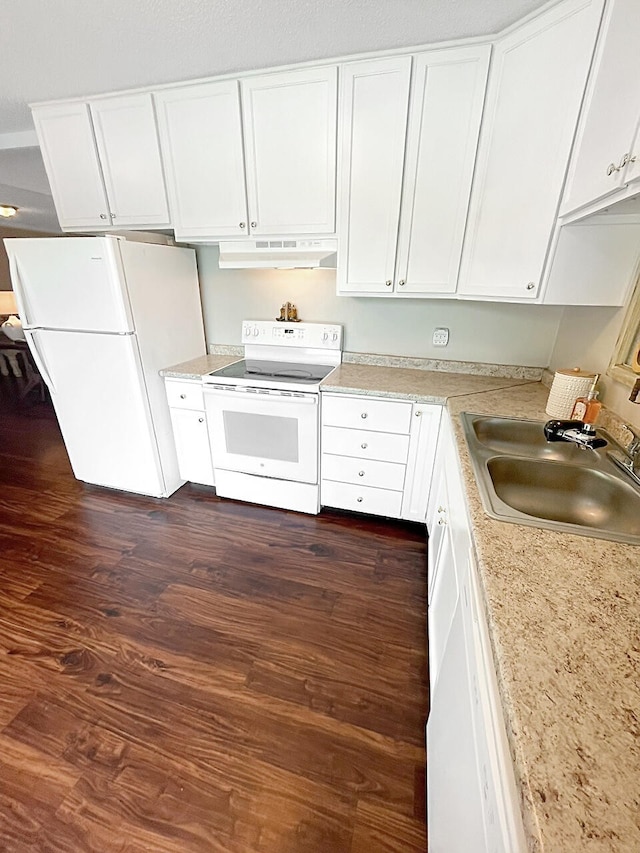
x,y
256,331
325,336
334,336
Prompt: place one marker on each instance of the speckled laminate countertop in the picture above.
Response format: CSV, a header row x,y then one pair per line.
x,y
564,620
196,368
422,386
564,616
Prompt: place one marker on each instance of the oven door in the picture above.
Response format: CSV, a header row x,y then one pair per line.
x,y
264,432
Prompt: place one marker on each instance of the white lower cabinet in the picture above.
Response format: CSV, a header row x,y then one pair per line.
x,y
189,422
377,455
471,794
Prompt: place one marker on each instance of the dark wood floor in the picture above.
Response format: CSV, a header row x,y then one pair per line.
x,y
202,675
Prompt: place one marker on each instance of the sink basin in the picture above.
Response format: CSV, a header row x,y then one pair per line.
x,y
566,493
524,479
522,438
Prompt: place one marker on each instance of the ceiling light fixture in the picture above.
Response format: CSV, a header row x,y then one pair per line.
x,y
8,210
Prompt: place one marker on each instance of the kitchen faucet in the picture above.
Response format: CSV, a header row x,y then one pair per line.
x,y
629,458
576,432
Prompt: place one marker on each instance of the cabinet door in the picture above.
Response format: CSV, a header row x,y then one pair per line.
x,y
290,148
632,171
535,91
612,107
373,122
444,123
454,792
127,140
422,451
201,138
443,601
71,160
192,446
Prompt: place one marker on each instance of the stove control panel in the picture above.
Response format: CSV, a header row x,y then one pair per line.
x,y
309,335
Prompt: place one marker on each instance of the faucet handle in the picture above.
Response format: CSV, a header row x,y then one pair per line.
x,y
554,430
634,445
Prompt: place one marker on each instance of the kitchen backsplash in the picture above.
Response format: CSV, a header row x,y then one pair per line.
x,y
492,333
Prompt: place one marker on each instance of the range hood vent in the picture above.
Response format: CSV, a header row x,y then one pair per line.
x,y
277,254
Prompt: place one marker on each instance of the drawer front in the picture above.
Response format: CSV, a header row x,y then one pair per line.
x,y
363,444
366,413
184,395
361,498
382,475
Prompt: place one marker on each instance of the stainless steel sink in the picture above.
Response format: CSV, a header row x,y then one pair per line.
x,y
524,479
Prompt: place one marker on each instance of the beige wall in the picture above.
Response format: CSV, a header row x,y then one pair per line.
x,y
5,280
491,332
587,338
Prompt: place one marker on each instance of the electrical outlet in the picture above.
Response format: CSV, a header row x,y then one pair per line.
x,y
440,337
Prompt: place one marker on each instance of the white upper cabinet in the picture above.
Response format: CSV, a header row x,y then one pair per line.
x,y
608,134
254,157
535,91
200,130
373,123
103,162
290,149
404,189
127,140
444,122
71,160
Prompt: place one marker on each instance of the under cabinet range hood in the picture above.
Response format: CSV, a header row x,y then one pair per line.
x,y
278,254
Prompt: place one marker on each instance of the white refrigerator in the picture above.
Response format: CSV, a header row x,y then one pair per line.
x,y
102,316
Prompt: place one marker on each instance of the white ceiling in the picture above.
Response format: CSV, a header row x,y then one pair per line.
x,y
83,47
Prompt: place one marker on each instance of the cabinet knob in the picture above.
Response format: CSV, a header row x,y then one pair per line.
x,y
364,415
254,224
401,283
183,396
200,420
113,216
440,509
419,413
442,521
243,225
388,282
360,473
531,285
364,445
103,216
359,500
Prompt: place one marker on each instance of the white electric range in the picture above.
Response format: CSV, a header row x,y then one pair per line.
x,y
263,414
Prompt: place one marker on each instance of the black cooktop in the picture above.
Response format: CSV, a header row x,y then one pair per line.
x,y
275,371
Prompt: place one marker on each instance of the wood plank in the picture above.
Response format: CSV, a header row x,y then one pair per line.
x,y
195,674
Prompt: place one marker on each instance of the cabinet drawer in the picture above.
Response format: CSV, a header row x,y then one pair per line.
x,y
184,395
361,498
363,444
344,469
366,413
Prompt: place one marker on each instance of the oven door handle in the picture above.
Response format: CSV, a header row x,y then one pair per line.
x,y
302,400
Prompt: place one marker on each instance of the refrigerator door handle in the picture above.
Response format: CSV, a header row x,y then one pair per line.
x,y
19,290
39,360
